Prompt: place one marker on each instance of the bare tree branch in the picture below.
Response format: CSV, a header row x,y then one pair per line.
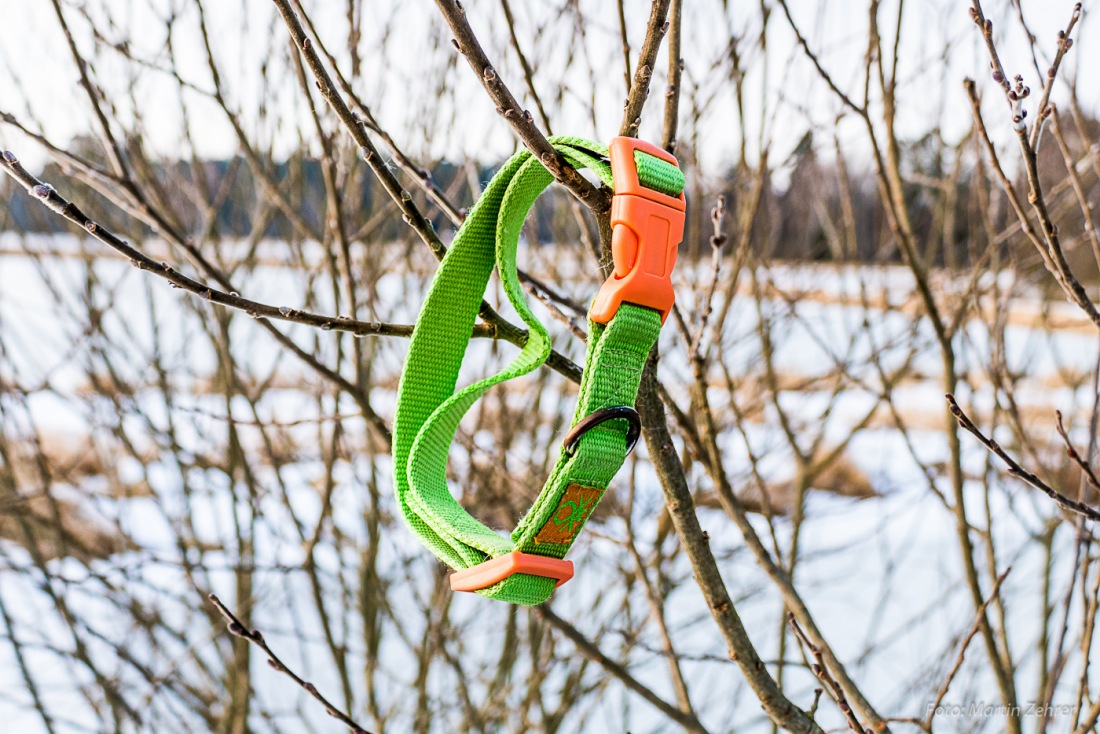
x,y
237,629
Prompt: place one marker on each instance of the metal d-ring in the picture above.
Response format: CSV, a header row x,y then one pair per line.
x,y
586,424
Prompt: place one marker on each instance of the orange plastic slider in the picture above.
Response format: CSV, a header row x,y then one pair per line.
x,y
647,227
495,570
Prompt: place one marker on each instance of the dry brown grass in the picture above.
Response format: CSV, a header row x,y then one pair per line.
x,y
51,528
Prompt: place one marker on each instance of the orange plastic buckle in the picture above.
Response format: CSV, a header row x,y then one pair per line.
x,y
647,227
495,570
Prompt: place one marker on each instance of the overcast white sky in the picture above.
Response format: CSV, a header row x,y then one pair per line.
x,y
402,54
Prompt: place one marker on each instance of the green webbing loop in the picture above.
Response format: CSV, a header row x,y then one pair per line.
x,y
429,410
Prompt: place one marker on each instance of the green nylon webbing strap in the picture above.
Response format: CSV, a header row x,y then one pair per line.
x,y
429,410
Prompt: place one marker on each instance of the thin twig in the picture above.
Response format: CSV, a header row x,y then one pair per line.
x,y
1064,45
656,29
593,652
820,670
522,122
528,73
675,71
1014,469
424,179
970,635
237,629
421,175
1071,451
825,76
412,215
717,243
625,42
1015,95
58,204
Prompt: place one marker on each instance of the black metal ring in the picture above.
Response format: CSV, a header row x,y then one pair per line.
x,y
586,424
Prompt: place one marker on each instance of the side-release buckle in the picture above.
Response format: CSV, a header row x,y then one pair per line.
x,y
647,227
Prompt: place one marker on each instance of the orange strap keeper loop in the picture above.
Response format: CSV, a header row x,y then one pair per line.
x,y
495,570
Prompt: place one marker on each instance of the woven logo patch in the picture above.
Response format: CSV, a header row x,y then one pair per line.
x,y
576,505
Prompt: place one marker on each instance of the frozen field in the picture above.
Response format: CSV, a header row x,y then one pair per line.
x,y
141,400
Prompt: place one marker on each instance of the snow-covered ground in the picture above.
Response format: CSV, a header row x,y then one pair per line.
x,y
882,575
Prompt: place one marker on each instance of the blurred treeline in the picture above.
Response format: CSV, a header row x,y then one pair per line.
x,y
804,197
